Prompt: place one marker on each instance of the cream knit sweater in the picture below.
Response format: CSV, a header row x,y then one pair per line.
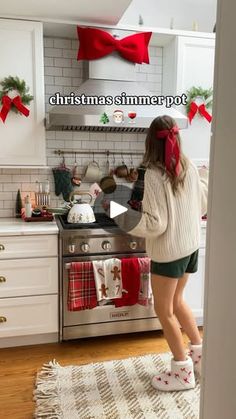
x,y
171,223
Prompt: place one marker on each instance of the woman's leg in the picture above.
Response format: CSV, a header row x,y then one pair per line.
x,y
163,289
184,313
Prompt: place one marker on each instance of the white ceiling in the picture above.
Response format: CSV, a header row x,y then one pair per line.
x,y
99,11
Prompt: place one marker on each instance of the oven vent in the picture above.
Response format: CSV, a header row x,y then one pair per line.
x,y
102,129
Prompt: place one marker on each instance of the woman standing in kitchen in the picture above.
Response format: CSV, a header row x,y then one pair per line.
x,y
175,198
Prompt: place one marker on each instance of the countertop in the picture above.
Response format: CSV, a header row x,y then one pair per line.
x,y
18,227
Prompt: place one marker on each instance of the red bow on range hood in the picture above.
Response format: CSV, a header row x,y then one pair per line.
x,y
95,43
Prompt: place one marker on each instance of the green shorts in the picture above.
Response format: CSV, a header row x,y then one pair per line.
x,y
176,268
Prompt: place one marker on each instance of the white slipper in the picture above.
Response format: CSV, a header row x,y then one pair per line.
x,y
195,352
181,377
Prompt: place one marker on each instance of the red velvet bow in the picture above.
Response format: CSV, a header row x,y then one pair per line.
x,y
194,108
95,43
6,106
171,149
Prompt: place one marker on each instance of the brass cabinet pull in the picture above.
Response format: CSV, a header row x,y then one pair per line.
x,y
2,247
2,279
3,319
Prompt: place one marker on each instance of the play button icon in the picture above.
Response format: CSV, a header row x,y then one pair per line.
x,y
116,209
116,206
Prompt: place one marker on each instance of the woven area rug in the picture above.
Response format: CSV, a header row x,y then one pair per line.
x,y
111,390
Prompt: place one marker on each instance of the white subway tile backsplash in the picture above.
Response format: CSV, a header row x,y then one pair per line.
x,y
48,61
105,145
67,90
28,187
53,71
72,72
48,42
10,171
113,137
49,79
63,74
121,146
6,213
63,81
52,52
62,62
64,135
21,178
77,144
76,64
76,82
11,187
4,196
83,136
62,43
69,53
38,178
154,78
9,204
90,145
55,144
51,89
141,77
75,44
51,135
5,178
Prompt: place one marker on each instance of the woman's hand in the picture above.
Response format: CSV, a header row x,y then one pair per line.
x,y
106,205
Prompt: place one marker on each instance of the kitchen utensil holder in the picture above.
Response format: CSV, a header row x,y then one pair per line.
x,y
42,199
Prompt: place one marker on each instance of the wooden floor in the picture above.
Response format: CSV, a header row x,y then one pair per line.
x,y
18,366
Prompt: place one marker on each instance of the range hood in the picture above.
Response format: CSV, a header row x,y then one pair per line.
x,y
110,76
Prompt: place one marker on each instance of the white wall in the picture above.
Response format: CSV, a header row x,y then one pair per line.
x,y
158,13
219,373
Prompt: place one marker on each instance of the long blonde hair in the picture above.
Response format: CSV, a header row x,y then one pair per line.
x,y
155,152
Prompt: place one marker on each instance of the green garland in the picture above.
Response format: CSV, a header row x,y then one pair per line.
x,y
205,94
14,83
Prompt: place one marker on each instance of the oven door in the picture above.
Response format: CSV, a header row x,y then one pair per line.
x,y
103,320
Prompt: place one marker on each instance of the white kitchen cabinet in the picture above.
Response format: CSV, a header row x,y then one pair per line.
x,y
28,315
28,276
14,247
188,62
23,139
28,289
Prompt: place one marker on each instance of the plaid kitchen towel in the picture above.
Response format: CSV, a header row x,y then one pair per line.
x,y
81,287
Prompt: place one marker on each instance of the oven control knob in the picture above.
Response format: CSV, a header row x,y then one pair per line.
x,y
106,245
133,245
71,248
85,247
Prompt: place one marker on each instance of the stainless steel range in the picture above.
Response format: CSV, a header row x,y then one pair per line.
x,y
98,241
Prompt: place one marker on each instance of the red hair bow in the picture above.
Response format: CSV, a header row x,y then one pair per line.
x,y
95,43
172,151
